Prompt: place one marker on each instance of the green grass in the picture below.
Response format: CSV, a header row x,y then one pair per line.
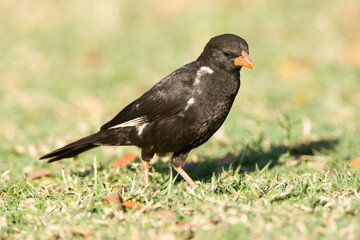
x,y
66,68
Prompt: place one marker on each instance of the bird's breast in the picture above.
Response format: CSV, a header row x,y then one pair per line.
x,y
211,101
215,92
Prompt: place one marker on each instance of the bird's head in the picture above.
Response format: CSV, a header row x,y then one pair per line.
x,y
228,52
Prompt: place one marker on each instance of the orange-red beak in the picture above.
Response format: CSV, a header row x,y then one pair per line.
x,y
244,60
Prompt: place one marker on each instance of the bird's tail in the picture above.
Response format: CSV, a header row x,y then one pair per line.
x,y
106,137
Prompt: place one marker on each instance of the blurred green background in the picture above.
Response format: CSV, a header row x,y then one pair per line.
x,y
69,66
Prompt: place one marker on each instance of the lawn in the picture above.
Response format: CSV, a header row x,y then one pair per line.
x,y
283,165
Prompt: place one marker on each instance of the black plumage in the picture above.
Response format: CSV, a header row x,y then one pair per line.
x,y
180,112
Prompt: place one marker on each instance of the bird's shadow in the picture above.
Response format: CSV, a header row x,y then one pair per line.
x,y
251,157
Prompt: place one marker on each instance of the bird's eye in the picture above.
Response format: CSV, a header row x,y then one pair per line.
x,y
227,54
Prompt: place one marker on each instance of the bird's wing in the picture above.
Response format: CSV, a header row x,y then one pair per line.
x,y
169,96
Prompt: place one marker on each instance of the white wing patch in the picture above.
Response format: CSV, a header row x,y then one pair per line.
x,y
140,123
141,128
203,70
189,103
131,123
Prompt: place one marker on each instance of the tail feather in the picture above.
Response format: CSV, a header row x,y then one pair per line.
x,y
75,148
70,153
109,137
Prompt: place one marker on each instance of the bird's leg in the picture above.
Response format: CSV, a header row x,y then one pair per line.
x,y
146,156
185,176
178,161
145,166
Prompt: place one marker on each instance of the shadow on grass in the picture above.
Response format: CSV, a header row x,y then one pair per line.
x,y
250,157
256,155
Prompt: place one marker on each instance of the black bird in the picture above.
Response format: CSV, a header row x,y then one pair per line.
x,y
180,112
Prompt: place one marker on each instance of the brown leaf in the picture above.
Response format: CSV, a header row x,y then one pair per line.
x,y
355,163
131,205
125,160
330,172
39,174
183,223
116,198
112,198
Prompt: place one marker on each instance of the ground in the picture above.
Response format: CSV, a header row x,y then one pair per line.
x,y
283,166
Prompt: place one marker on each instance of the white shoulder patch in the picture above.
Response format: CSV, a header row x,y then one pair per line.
x,y
191,101
203,70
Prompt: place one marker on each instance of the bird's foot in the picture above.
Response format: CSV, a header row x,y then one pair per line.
x,y
181,171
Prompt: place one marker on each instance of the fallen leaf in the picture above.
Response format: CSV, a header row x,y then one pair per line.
x,y
131,205
330,172
112,198
355,162
116,198
39,174
125,160
182,223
